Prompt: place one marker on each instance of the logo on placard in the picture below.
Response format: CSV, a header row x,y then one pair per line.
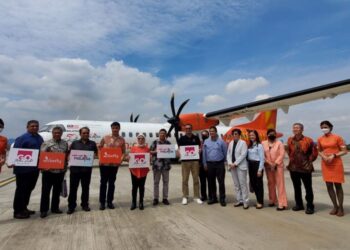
x,y
48,160
190,151
24,156
140,159
165,150
106,155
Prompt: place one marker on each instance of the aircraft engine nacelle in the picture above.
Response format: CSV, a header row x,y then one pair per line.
x,y
197,120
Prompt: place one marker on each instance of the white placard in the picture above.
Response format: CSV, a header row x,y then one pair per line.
x,y
190,152
165,151
139,160
81,158
23,157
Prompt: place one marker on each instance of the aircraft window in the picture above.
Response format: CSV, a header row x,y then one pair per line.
x,y
123,134
157,134
144,134
150,135
130,134
222,135
137,134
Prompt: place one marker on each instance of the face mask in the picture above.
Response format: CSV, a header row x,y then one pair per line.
x,y
204,137
1,129
325,130
271,137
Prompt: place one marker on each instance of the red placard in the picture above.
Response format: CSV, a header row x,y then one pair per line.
x,y
111,155
51,160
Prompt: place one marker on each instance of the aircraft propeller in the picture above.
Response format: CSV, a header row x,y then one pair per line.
x,y
132,118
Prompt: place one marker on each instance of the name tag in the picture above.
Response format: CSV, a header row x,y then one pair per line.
x,y
81,158
139,160
111,155
51,160
22,157
190,152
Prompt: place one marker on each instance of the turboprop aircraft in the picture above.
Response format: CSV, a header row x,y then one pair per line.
x,y
263,115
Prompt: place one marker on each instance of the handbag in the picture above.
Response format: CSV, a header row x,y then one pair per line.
x,y
64,191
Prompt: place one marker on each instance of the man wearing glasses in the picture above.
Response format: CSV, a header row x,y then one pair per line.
x,y
190,166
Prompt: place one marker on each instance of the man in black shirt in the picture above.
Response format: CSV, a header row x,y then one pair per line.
x,y
82,174
190,166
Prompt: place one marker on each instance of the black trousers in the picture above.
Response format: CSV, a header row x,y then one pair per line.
x,y
138,183
75,179
216,171
203,178
108,176
255,181
306,178
54,181
25,184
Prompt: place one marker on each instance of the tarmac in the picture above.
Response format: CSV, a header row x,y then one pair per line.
x,y
177,226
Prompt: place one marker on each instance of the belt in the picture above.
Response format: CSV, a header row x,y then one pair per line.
x,y
222,161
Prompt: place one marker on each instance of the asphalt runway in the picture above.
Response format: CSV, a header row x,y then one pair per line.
x,y
176,226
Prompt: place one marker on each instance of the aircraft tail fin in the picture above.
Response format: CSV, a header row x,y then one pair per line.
x,y
264,120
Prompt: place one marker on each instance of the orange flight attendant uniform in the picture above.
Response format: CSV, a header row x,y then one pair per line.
x,y
139,172
334,171
3,147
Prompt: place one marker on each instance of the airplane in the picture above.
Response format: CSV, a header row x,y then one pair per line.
x,y
263,115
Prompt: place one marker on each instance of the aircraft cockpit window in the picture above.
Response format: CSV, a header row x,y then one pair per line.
x,y
123,134
150,134
48,128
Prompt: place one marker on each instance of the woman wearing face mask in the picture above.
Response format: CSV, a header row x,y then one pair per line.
x,y
256,161
138,175
331,147
274,168
3,145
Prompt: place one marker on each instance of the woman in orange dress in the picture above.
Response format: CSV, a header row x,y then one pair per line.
x,y
3,145
138,175
331,147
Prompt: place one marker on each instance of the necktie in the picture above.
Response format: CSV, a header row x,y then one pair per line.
x,y
233,151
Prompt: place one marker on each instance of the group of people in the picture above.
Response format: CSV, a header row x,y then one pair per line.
x,y
240,158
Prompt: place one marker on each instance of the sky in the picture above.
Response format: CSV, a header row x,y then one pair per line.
x,y
104,59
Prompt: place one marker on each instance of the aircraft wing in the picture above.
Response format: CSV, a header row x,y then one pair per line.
x,y
283,102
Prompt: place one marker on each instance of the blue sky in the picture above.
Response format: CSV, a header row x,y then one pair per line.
x,y
101,59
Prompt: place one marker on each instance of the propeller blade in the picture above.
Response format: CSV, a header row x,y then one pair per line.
x,y
172,104
167,117
136,118
177,134
181,107
170,129
131,117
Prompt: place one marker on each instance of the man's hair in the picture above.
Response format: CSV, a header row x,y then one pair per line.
x,y
57,128
237,130
213,127
270,130
2,122
115,124
205,132
163,130
81,129
31,122
299,124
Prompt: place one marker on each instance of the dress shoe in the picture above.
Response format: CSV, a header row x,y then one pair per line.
x,y
70,211
86,208
141,207
245,206
280,208
223,203
211,202
155,202
204,198
297,208
272,204
184,201
56,211
43,215
309,211
238,204
30,212
21,215
110,205
102,206
133,206
166,202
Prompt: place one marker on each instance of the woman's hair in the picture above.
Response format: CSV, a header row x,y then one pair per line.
x,y
270,130
237,130
330,125
256,136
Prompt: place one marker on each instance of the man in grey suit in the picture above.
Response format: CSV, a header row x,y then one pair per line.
x,y
238,166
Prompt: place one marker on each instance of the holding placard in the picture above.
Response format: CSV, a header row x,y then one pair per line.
x,y
81,158
111,155
139,160
166,151
51,160
190,152
23,157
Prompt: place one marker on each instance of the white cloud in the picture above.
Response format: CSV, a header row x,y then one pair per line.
x,y
211,100
246,85
262,97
